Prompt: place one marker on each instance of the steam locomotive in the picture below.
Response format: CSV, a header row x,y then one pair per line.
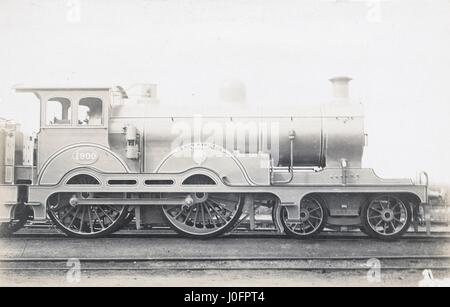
x,y
103,157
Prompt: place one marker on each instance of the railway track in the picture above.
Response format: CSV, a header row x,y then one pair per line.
x,y
49,233
308,255
385,263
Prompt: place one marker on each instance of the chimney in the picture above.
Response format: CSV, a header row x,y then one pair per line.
x,y
341,88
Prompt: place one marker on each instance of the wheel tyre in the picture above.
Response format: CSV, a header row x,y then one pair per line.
x,y
275,218
373,234
318,230
127,220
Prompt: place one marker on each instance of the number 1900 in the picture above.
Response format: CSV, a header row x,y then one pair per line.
x,y
85,157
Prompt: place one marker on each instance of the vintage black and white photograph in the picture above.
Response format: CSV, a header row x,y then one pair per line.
x,y
224,143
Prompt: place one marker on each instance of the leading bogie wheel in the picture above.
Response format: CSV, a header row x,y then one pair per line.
x,y
313,218
386,217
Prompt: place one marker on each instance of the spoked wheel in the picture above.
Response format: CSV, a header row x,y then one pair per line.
x,y
313,217
386,217
209,215
84,221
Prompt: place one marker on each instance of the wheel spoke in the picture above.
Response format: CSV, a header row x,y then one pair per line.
x,y
218,214
221,206
189,214
179,213
397,220
112,208
99,219
90,220
173,208
106,214
209,213
393,227
395,206
197,209
203,215
383,204
379,211
82,218
74,217
311,211
374,217
67,213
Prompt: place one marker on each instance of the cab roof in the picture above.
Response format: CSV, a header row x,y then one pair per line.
x,y
35,89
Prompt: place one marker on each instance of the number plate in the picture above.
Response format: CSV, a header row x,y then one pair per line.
x,y
85,156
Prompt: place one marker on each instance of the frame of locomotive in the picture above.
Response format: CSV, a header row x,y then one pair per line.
x,y
92,179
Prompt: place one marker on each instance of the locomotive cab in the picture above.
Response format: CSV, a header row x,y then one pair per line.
x,y
84,111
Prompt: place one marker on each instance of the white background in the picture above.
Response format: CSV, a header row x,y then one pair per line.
x,y
398,53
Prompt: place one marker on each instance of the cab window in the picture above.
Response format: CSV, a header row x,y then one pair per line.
x,y
90,111
58,111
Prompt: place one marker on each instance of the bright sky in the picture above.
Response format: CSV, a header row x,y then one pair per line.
x,y
398,53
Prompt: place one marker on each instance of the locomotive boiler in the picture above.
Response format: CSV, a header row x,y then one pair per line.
x,y
103,157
